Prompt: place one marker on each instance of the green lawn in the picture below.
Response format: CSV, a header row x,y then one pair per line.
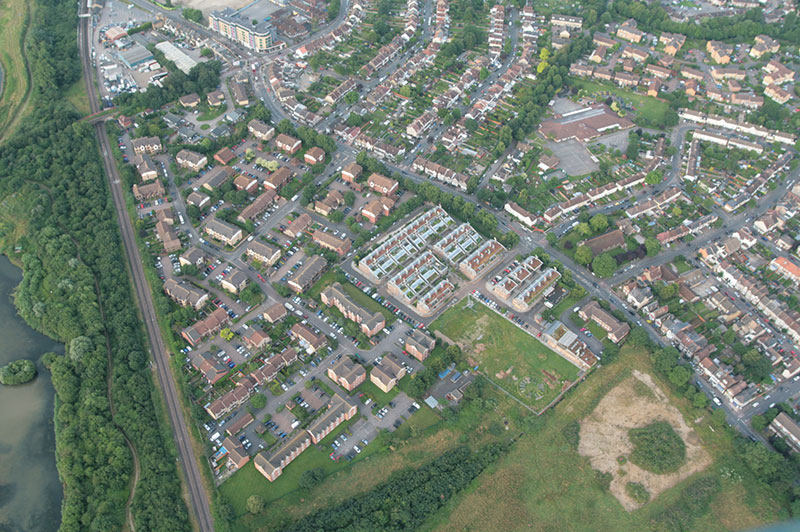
x,y
380,398
506,354
248,481
681,265
210,113
647,107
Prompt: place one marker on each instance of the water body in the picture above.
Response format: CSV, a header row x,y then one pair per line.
x,y
30,492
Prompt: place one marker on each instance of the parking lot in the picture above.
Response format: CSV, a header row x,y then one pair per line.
x,y
575,158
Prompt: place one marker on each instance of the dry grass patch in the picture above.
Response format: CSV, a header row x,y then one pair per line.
x,y
604,438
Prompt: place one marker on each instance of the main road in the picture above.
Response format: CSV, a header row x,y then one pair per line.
x,y
191,472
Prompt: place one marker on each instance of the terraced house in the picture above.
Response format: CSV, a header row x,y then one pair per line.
x,y
191,160
185,294
335,296
223,231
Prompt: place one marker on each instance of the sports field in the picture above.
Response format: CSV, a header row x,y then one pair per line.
x,y
507,354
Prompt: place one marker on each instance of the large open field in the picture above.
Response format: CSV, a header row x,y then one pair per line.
x,y
16,80
544,483
508,355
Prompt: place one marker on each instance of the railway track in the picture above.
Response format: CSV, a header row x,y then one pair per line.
x,y
194,482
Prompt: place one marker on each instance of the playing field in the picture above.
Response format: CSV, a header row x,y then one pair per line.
x,y
647,107
508,355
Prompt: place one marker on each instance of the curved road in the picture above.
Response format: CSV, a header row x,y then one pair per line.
x,y
191,471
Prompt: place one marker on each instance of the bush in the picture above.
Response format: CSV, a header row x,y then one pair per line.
x,y
311,478
255,504
572,433
17,372
637,492
657,448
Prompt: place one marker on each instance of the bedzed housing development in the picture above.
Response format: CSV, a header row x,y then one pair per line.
x,y
410,259
370,324
339,410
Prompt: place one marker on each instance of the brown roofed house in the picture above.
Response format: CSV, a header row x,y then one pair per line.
x,y
224,156
298,226
288,144
381,184
611,240
190,101
388,373
347,374
419,345
314,155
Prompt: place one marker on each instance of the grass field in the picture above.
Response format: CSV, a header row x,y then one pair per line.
x,y
76,95
508,355
544,484
16,83
647,107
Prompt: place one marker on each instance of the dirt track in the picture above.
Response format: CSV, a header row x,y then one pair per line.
x,y
604,437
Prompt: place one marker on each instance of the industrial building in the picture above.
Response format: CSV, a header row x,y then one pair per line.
x,y
135,55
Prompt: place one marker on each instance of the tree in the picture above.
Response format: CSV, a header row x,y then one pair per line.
x,y
604,265
680,375
598,222
255,504
654,177
652,246
258,401
349,198
757,367
638,337
17,372
351,97
583,229
583,255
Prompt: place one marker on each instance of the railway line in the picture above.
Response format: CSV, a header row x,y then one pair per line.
x,y
194,482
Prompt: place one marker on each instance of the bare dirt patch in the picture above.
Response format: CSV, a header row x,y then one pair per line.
x,y
604,437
